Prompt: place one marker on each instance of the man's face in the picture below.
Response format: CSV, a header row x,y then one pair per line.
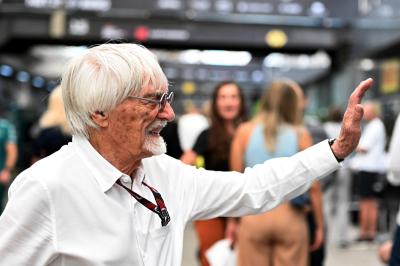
x,y
134,125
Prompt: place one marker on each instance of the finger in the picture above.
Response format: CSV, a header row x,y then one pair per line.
x,y
357,114
360,109
359,92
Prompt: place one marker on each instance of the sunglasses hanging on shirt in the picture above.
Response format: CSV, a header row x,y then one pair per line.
x,y
160,208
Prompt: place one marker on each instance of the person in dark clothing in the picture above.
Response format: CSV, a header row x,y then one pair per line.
x,y
54,131
171,138
213,146
50,140
317,256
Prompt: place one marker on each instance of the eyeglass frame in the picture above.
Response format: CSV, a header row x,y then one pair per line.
x,y
165,97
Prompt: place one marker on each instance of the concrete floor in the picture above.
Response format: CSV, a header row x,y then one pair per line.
x,y
354,255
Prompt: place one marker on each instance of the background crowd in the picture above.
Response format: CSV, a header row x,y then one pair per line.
x,y
223,135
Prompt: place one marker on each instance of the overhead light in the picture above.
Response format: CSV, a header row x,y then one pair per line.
x,y
225,58
366,64
6,71
276,38
51,85
300,61
38,82
23,76
190,56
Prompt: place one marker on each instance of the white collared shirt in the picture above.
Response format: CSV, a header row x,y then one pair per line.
x,y
373,140
67,210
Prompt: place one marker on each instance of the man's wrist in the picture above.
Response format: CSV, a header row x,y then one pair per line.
x,y
333,144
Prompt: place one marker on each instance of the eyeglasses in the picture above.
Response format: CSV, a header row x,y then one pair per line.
x,y
166,97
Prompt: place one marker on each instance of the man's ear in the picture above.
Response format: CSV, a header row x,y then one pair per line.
x,y
100,118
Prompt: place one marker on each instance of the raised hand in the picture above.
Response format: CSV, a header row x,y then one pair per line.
x,y
350,131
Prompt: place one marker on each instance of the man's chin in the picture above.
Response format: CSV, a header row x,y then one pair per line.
x,y
155,146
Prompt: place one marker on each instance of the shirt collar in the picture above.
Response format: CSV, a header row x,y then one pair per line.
x,y
103,171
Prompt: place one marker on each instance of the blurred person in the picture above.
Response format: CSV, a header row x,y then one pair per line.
x,y
369,164
112,197
317,255
190,125
337,188
384,251
393,176
213,145
54,129
171,139
280,236
8,157
333,123
315,216
206,109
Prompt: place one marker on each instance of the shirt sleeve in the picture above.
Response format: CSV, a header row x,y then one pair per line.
x,y
11,133
372,135
258,189
26,226
394,155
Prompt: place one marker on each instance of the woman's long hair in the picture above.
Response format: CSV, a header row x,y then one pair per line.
x,y
55,113
220,139
280,104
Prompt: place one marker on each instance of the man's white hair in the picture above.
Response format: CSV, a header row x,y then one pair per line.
x,y
103,77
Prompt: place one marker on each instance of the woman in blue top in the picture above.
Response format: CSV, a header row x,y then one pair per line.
x,y
278,237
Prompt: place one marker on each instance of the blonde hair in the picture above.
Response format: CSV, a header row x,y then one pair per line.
x,y
280,104
374,105
55,113
103,77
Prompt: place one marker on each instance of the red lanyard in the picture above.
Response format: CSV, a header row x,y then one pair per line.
x,y
160,208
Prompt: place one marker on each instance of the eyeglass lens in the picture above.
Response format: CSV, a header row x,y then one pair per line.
x,y
166,98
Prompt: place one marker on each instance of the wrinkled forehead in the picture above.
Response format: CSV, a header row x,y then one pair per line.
x,y
151,90
156,86
154,80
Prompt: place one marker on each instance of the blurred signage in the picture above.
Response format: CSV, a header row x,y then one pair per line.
x,y
381,8
321,8
222,35
185,22
89,5
251,74
390,76
144,33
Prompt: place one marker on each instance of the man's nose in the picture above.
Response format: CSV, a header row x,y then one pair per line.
x,y
167,113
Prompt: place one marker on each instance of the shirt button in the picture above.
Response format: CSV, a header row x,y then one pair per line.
x,y
125,179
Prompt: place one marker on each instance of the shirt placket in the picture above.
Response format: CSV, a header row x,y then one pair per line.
x,y
135,215
140,216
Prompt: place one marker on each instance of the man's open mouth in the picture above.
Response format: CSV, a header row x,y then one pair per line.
x,y
154,132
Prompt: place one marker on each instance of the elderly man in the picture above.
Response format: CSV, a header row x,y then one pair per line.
x,y
112,198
